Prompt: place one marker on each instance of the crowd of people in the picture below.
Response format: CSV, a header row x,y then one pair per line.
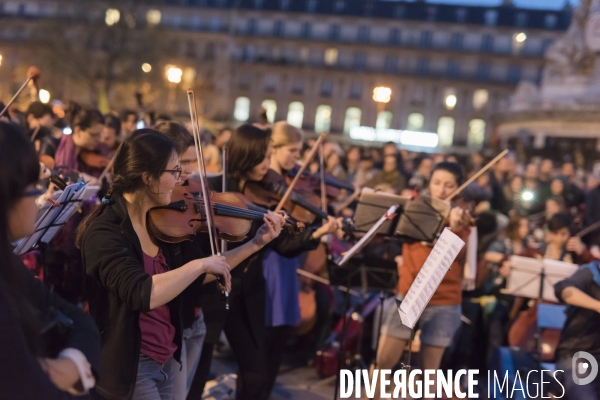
x,y
145,315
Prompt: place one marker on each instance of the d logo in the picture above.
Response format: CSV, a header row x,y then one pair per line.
x,y
579,366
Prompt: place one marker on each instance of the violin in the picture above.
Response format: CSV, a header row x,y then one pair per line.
x,y
301,205
185,216
309,182
93,159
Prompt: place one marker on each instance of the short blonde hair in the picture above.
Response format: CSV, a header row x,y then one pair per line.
x,y
284,134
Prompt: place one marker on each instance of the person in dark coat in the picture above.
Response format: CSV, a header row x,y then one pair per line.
x,y
36,362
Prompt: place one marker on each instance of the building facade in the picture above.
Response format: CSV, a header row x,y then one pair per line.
x,y
313,63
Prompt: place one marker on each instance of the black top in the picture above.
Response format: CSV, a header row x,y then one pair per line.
x,y
119,289
21,376
247,280
580,332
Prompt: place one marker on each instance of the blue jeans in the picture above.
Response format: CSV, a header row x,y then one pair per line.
x,y
591,391
154,380
191,349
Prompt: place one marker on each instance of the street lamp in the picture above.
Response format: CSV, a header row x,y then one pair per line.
x,y
112,16
382,94
146,67
174,75
44,96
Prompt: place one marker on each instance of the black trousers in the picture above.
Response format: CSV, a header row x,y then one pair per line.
x,y
258,363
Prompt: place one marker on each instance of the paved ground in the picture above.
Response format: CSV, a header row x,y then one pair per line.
x,y
297,383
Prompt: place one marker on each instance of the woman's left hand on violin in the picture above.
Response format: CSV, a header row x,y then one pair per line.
x,y
331,226
270,230
575,245
459,218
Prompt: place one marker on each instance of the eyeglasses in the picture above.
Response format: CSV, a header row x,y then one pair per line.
x,y
176,172
33,193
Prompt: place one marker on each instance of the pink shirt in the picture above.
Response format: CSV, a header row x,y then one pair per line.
x,y
156,327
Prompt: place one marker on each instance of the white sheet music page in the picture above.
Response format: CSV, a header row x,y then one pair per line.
x,y
431,274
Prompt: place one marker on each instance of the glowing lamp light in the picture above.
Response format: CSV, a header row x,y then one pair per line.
x,y
382,94
450,101
44,96
112,16
174,74
527,195
146,67
67,130
521,37
0,59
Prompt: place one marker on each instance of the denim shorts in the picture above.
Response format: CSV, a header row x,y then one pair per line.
x,y
438,324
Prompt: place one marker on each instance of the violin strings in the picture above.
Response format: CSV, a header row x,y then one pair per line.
x,y
233,211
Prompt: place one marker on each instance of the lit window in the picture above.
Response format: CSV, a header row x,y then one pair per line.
x,y
295,114
331,56
480,99
352,119
446,131
476,133
153,17
415,122
450,99
323,119
112,16
241,111
384,120
271,107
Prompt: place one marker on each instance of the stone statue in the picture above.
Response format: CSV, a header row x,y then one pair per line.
x,y
570,55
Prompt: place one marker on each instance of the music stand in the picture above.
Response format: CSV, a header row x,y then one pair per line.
x,y
422,219
535,279
368,236
371,205
55,217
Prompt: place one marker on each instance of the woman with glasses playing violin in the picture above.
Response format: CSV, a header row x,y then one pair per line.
x,y
250,152
34,364
135,283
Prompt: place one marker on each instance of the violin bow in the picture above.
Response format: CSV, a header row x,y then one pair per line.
x,y
477,175
224,183
322,175
307,161
32,75
208,209
588,230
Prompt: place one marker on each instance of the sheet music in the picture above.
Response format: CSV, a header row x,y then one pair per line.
x,y
525,277
367,236
431,274
555,271
54,218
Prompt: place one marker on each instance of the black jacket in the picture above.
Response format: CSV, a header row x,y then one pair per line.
x,y
248,290
21,376
118,289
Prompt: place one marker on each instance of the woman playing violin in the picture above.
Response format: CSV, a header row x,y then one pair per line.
x,y
134,282
441,318
75,149
251,154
